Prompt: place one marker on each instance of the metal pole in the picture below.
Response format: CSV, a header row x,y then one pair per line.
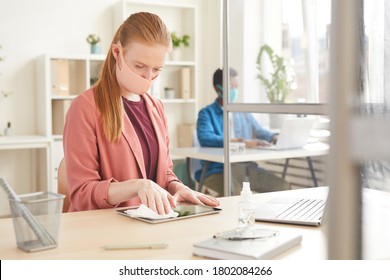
x,y
344,239
225,84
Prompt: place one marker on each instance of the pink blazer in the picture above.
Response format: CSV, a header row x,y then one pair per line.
x,y
92,162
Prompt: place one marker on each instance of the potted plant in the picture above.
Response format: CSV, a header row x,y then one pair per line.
x,y
93,40
169,93
177,42
279,82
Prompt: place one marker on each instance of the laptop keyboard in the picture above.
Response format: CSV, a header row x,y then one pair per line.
x,y
303,210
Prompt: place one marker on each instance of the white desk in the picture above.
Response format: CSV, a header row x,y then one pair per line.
x,y
35,143
217,155
23,142
82,234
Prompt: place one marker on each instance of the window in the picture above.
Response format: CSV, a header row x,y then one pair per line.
x,y
256,27
305,44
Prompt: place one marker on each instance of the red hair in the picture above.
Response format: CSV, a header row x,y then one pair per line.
x,y
140,27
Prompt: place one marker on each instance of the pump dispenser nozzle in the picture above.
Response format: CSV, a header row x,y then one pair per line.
x,y
246,188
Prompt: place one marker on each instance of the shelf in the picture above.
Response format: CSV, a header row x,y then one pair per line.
x,y
63,97
179,63
23,142
99,57
177,101
154,4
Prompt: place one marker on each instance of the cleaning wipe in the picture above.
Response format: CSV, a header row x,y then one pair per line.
x,y
145,212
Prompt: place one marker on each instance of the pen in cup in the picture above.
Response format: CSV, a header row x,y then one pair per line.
x,y
136,246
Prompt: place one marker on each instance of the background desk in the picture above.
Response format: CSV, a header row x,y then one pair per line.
x,y
82,234
217,155
36,173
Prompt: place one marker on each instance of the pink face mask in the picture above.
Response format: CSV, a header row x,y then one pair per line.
x,y
129,80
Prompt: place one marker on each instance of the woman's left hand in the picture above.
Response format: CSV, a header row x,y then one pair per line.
x,y
185,194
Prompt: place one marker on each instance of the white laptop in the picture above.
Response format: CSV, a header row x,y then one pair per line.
x,y
294,133
300,211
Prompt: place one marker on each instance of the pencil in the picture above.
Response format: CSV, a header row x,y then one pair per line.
x,y
136,246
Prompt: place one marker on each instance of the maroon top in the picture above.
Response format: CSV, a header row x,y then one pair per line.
x,y
139,117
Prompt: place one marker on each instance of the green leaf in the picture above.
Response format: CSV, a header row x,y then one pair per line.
x,y
177,41
277,86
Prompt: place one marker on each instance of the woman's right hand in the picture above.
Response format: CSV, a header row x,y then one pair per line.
x,y
150,194
155,197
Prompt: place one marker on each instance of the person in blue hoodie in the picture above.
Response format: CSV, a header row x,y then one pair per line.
x,y
245,129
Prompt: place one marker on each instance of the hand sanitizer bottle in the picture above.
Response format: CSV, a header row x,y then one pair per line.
x,y
246,207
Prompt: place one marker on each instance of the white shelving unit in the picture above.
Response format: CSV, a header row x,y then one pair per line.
x,y
182,19
60,78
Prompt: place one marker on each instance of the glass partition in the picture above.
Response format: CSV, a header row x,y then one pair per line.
x,y
290,59
359,158
277,66
371,125
323,60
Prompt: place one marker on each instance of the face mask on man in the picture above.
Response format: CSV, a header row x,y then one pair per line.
x,y
128,79
233,93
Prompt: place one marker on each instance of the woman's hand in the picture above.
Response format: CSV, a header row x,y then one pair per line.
x,y
155,197
183,193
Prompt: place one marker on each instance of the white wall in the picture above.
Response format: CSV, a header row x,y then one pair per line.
x,y
31,28
211,50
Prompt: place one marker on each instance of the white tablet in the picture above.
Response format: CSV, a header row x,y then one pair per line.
x,y
185,211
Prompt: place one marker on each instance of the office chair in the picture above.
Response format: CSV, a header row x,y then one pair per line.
x,y
194,164
62,185
186,171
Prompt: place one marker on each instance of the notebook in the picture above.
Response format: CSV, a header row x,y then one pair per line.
x,y
301,211
252,249
294,133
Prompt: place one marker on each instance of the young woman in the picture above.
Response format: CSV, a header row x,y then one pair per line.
x,y
116,140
